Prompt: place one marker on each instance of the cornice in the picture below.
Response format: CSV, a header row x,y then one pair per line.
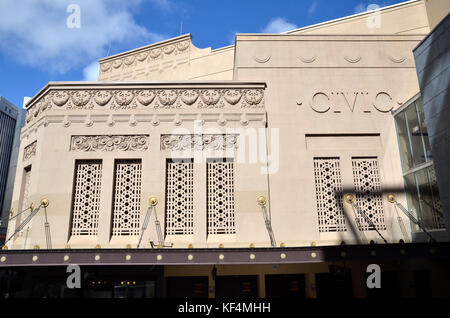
x,y
329,37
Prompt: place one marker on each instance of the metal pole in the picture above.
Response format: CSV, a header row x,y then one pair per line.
x,y
269,227
43,203
23,224
144,226
158,230
368,220
350,198
47,231
13,217
393,199
262,202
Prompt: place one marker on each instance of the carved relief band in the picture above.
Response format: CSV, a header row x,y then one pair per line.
x,y
109,143
156,98
145,55
199,142
29,151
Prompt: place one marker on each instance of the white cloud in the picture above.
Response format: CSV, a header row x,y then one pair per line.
x,y
35,32
279,25
232,37
26,99
91,71
313,7
164,5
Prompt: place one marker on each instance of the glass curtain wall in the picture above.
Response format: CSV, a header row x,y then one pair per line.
x,y
417,163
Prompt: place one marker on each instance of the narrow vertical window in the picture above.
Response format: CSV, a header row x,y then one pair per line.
x,y
24,193
220,191
366,179
86,197
179,197
126,197
327,173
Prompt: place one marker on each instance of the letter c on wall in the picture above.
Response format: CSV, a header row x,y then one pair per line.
x,y
320,102
383,102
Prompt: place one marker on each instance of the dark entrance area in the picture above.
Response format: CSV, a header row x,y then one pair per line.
x,y
390,286
335,284
96,282
422,284
285,286
237,286
187,287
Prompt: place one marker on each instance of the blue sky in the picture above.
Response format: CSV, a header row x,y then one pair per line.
x,y
36,46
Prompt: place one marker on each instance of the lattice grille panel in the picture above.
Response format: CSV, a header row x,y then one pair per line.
x,y
127,197
180,197
330,208
220,179
438,219
367,184
86,197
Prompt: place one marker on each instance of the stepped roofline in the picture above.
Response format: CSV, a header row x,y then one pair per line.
x,y
184,37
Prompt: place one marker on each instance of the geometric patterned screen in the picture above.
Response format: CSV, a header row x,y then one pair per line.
x,y
86,197
330,208
366,179
220,184
179,197
127,197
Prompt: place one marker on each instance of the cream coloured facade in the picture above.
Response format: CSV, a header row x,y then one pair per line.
x,y
301,118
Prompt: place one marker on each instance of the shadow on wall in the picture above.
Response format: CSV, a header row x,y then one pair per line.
x,y
372,221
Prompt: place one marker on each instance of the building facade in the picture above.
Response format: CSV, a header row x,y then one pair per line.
x,y
11,120
265,152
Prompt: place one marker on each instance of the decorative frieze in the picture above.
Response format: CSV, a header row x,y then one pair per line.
x,y
308,59
397,60
29,151
355,59
155,98
145,56
262,60
199,142
109,143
